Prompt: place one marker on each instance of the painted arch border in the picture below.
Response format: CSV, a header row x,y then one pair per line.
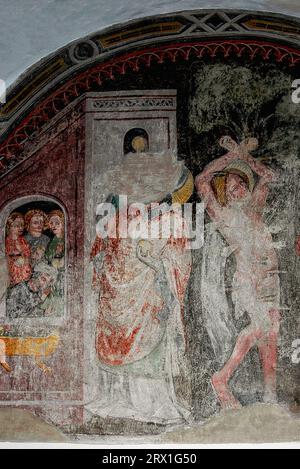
x,y
24,129
101,45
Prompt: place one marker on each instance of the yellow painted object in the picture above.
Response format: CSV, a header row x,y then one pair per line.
x,y
184,193
36,347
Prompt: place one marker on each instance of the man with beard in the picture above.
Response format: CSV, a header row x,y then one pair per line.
x,y
24,299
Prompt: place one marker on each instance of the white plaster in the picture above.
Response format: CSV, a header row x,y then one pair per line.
x,y
32,29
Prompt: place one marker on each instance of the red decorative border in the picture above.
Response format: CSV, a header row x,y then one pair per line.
x,y
29,128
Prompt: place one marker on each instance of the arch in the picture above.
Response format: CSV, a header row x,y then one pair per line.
x,y
129,137
60,83
47,204
12,147
97,59
14,204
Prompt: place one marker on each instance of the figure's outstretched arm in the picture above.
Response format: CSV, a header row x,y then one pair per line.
x,y
266,176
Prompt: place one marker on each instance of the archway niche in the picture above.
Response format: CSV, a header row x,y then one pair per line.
x,y
34,233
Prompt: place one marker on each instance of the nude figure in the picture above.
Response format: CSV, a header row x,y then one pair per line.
x,y
236,203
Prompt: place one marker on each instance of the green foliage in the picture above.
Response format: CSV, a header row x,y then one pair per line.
x,y
245,102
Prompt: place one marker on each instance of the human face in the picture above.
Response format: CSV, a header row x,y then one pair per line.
x,y
56,226
36,226
236,188
40,283
33,284
44,281
17,227
139,144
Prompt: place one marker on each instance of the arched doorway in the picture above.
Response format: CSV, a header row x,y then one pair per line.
x,y
35,247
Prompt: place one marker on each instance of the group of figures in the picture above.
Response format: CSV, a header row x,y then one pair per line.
x,y
36,264
141,283
141,286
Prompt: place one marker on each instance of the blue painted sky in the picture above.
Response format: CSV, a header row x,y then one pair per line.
x,y
32,29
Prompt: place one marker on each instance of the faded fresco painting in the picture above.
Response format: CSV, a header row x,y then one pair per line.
x,y
36,263
34,276
141,283
152,270
249,228
236,205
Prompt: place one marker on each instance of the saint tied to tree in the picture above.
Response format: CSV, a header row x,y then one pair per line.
x,y
236,205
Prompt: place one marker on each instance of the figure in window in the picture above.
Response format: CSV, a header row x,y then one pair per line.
x,y
17,249
55,256
55,253
27,299
36,223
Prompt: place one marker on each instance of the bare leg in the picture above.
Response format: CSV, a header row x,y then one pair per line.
x,y
268,350
246,340
3,363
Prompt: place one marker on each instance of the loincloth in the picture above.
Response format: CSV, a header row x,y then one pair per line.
x,y
256,294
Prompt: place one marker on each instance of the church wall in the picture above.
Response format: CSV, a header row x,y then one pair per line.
x,y
129,335
55,175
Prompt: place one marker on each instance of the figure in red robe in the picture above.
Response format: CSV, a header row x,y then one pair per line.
x,y
140,336
17,250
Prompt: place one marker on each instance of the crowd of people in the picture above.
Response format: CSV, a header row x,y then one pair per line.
x,y
36,263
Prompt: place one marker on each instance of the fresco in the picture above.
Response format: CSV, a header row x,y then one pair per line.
x,y
235,204
140,339
251,226
36,263
34,277
152,271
